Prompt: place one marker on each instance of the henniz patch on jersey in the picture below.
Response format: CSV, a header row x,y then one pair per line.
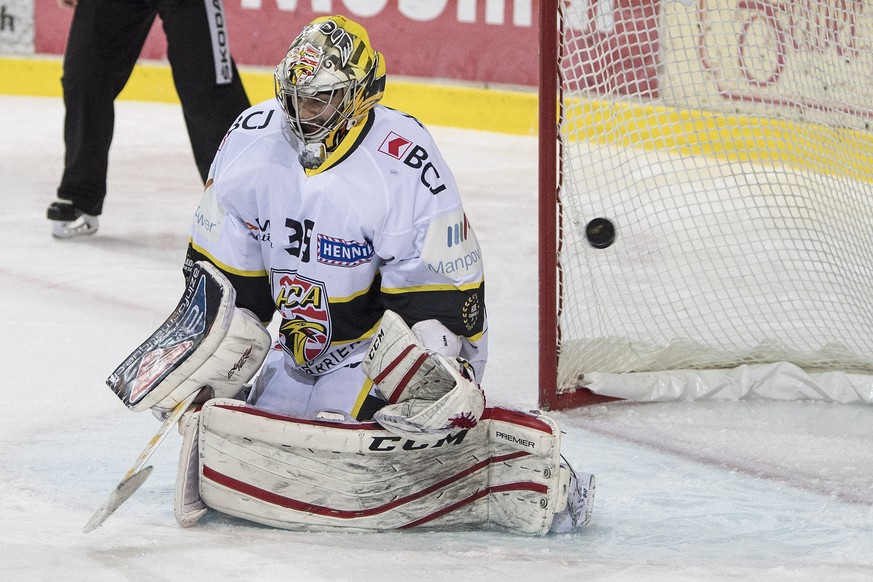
x,y
329,250
343,253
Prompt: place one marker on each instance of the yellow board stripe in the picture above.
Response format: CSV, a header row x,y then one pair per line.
x,y
739,138
505,111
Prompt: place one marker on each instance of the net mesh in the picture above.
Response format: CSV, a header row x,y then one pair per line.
x,y
729,145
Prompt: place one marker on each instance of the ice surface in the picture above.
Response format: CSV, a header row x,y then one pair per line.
x,y
686,492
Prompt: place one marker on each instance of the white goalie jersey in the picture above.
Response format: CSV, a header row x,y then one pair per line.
x,y
378,226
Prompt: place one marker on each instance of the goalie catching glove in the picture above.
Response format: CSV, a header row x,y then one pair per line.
x,y
207,342
429,395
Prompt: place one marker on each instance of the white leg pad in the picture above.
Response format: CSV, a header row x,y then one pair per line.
x,y
305,474
188,507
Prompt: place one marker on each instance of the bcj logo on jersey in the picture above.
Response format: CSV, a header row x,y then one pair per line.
x,y
305,330
397,146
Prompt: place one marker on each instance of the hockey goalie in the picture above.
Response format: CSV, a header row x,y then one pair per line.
x,y
340,218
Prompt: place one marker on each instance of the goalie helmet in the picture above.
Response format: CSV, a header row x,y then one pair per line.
x,y
327,83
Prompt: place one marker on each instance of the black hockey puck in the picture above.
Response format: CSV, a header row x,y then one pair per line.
x,y
600,233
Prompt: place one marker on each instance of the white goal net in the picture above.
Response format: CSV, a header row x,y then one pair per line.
x,y
727,144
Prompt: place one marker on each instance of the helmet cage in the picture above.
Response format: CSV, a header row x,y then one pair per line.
x,y
314,112
327,83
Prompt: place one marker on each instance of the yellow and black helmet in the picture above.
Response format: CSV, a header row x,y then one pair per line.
x,y
327,83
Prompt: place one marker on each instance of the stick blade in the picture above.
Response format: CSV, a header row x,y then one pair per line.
x,y
119,495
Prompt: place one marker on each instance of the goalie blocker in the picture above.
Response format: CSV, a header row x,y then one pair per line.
x,y
206,342
306,474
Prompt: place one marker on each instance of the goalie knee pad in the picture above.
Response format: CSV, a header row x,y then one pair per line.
x,y
206,342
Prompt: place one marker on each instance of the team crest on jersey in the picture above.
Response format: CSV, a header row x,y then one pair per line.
x,y
305,330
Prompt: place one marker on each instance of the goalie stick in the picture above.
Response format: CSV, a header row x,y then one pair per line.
x,y
136,475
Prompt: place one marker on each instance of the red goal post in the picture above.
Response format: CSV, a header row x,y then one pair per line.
x,y
549,146
706,200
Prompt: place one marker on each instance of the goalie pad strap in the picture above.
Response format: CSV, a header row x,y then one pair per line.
x,y
304,474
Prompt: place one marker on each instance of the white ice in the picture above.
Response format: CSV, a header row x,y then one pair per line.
x,y
686,492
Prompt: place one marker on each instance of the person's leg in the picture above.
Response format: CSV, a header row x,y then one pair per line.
x,y
343,394
205,75
105,40
280,389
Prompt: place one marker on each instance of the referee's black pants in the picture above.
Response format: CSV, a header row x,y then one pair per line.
x,y
106,38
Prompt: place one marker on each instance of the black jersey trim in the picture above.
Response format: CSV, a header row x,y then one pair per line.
x,y
252,291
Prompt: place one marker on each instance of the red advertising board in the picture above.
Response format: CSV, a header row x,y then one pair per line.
x,y
485,41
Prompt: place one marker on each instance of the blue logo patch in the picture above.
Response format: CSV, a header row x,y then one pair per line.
x,y
343,253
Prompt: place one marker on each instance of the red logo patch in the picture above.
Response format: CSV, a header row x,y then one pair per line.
x,y
395,145
463,420
153,365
